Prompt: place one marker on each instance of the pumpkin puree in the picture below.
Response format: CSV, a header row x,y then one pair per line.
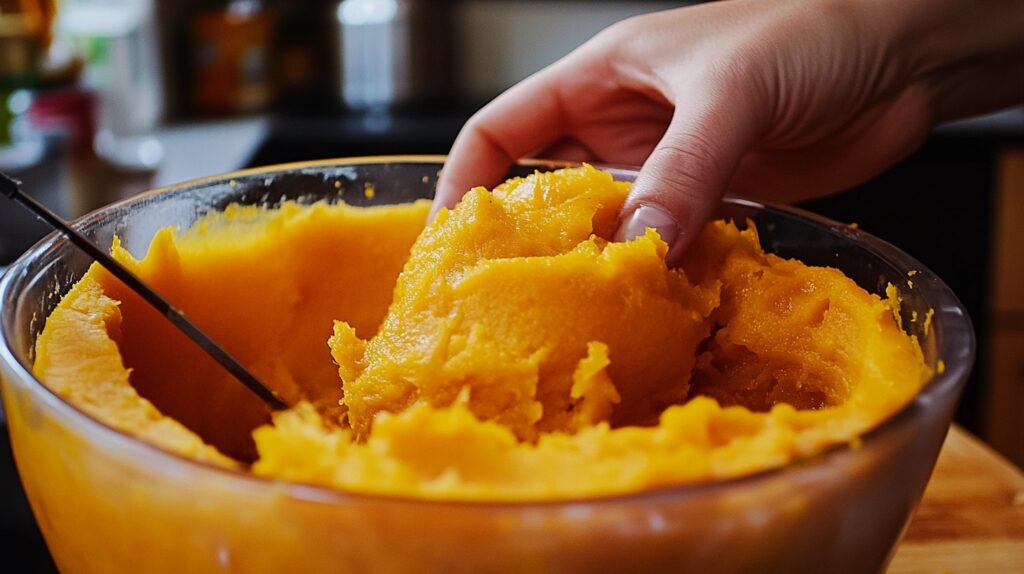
x,y
510,351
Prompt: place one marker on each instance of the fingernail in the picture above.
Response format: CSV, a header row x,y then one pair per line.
x,y
435,204
648,216
434,208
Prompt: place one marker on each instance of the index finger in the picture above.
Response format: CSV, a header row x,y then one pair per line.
x,y
528,116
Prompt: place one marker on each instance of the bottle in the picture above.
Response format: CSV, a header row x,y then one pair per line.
x,y
119,43
230,58
25,33
392,52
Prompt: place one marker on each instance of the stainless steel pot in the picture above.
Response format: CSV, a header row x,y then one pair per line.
x,y
392,51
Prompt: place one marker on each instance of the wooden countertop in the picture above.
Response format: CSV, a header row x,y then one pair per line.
x,y
971,519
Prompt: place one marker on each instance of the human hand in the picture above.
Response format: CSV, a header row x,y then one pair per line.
x,y
777,99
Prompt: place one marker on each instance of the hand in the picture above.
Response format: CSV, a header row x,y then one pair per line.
x,y
777,99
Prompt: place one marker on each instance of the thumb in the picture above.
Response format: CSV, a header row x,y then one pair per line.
x,y
684,178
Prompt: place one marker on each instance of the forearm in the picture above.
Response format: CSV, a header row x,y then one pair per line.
x,y
968,55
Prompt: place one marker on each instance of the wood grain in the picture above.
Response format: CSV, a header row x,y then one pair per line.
x,y
971,519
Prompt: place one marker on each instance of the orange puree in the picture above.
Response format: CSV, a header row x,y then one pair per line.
x,y
79,361
517,300
512,352
266,284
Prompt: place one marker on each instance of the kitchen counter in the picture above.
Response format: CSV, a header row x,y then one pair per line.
x,y
189,151
201,149
971,518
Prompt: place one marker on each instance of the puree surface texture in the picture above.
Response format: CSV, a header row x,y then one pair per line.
x,y
507,352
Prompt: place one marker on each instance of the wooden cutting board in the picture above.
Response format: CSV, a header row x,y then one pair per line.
x,y
971,519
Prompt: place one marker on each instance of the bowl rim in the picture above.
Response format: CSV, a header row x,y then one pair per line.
x,y
948,313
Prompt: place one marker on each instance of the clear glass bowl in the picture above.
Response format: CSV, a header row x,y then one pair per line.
x,y
107,502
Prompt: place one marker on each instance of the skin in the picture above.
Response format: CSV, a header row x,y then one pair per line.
x,y
774,99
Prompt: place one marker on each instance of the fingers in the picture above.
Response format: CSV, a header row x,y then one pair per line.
x,y
569,150
527,117
686,175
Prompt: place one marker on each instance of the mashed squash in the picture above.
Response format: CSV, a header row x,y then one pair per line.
x,y
518,301
510,351
265,284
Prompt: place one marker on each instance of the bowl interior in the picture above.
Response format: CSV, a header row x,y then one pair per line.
x,y
36,282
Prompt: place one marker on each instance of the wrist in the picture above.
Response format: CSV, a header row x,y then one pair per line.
x,y
967,55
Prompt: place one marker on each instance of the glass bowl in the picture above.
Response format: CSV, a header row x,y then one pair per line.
x,y
107,502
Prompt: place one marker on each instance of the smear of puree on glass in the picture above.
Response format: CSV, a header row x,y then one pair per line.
x,y
510,351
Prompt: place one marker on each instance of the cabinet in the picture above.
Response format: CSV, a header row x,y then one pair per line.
x,y
1004,427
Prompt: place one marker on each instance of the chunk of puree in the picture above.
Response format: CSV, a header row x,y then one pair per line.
x,y
510,351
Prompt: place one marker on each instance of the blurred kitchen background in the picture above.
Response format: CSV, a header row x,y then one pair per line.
x,y
102,99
